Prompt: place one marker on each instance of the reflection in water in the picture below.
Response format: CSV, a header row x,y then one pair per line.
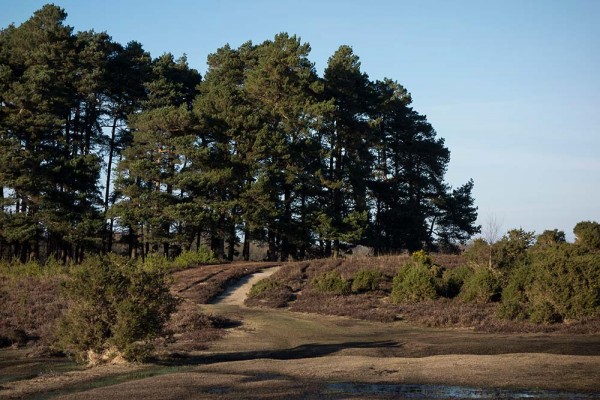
x,y
454,392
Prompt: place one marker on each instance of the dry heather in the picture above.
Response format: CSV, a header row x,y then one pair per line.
x,y
296,291
30,308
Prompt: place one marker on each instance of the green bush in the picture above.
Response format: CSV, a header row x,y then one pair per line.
x,y
559,282
34,268
116,307
544,313
454,279
483,286
264,286
588,235
421,257
414,282
515,298
478,252
331,282
366,280
189,259
568,279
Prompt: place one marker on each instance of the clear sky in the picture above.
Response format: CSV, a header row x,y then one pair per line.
x,y
513,86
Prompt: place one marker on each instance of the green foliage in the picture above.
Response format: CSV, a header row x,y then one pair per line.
x,y
478,252
264,286
262,145
454,279
512,248
421,257
568,280
51,267
331,282
414,282
515,298
115,307
550,238
483,286
366,280
588,234
559,283
191,258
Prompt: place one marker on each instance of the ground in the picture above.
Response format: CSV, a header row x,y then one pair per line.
x,y
282,354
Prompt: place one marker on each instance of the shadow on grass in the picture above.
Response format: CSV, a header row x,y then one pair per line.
x,y
310,350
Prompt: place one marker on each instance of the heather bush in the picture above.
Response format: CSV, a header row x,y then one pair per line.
x,y
366,280
116,308
331,282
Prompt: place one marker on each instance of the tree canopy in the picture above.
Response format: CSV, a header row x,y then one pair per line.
x,y
100,142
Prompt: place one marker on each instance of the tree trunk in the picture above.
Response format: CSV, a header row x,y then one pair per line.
x,y
111,147
336,248
246,249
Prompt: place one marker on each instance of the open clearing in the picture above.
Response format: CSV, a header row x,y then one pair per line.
x,y
280,354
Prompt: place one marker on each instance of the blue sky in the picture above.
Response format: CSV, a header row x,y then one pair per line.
x,y
513,86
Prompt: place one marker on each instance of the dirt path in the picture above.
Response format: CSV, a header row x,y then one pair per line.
x,y
237,293
280,354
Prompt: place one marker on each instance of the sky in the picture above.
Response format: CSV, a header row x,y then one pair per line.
x,y
512,86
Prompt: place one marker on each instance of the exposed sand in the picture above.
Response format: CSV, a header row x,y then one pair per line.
x,y
236,294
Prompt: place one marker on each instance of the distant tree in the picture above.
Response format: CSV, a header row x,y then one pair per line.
x,y
149,168
346,138
588,235
49,165
550,238
512,248
456,217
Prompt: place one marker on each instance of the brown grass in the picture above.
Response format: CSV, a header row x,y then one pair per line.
x,y
30,308
31,305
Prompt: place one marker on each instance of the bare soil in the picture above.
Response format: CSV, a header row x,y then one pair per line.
x,y
281,354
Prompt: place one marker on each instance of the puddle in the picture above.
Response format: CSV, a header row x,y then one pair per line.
x,y
453,392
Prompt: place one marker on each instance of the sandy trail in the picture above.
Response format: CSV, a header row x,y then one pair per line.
x,y
237,293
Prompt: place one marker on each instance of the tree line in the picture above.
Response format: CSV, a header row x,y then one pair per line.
x,y
100,142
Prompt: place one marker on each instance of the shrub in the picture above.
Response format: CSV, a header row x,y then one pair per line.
x,y
515,297
331,282
366,280
33,268
263,286
453,280
588,234
512,248
116,307
544,312
568,280
421,257
414,282
269,292
483,286
478,252
189,259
